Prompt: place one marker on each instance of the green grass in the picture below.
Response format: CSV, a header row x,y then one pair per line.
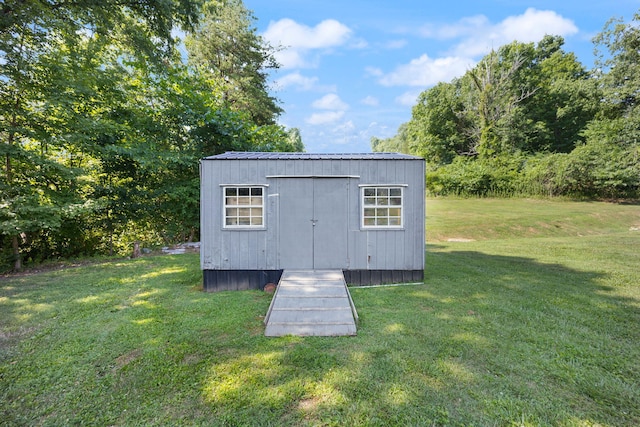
x,y
482,219
514,328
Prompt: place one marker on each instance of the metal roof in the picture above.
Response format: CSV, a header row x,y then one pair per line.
x,y
247,155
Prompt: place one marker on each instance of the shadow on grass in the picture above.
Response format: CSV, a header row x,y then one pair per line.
x,y
488,340
504,339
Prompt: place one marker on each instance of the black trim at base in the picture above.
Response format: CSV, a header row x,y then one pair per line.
x,y
240,280
379,277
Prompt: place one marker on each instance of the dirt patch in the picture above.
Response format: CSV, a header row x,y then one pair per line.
x,y
308,405
191,359
125,359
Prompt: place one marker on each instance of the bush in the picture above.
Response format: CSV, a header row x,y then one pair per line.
x,y
594,170
467,176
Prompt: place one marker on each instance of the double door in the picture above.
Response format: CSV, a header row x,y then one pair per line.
x,y
313,223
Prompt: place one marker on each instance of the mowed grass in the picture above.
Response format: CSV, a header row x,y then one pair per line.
x,y
513,328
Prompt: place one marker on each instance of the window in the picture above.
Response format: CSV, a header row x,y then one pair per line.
x,y
382,207
243,207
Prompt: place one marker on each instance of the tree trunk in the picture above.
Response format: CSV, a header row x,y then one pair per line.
x,y
17,265
136,250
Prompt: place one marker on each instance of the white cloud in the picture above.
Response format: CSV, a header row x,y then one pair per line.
x,y
346,127
297,80
324,117
291,59
288,33
534,24
478,35
395,44
408,99
330,101
371,101
465,27
359,44
298,39
373,72
425,71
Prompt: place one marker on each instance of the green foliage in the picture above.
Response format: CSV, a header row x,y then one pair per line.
x,y
103,126
530,120
534,323
482,177
226,47
396,144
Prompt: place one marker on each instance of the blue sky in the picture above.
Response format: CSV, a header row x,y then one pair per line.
x,y
352,69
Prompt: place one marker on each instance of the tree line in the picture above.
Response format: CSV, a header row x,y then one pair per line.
x,y
530,119
104,116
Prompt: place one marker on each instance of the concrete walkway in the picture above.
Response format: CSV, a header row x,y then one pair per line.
x,y
311,303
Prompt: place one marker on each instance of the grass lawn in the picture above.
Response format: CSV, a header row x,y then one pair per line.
x,y
532,319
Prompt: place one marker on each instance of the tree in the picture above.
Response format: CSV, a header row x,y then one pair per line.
x,y
294,140
438,131
617,50
565,100
227,48
49,77
522,97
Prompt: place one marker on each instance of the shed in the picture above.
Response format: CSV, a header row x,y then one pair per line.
x,y
262,213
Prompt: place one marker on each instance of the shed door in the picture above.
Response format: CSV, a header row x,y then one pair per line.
x,y
313,222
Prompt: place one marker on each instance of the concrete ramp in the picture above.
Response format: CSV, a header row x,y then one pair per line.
x,y
311,303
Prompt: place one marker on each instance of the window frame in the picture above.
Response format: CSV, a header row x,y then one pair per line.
x,y
378,196
238,206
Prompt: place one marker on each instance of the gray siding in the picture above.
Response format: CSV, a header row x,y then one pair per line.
x,y
227,249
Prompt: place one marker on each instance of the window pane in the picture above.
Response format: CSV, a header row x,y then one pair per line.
x,y
394,221
244,206
382,207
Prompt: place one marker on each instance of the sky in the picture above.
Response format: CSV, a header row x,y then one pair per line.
x,y
353,69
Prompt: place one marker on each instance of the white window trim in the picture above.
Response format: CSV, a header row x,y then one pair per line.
x,y
401,206
224,206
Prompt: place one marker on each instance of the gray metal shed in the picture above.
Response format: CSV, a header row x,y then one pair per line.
x,y
262,213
